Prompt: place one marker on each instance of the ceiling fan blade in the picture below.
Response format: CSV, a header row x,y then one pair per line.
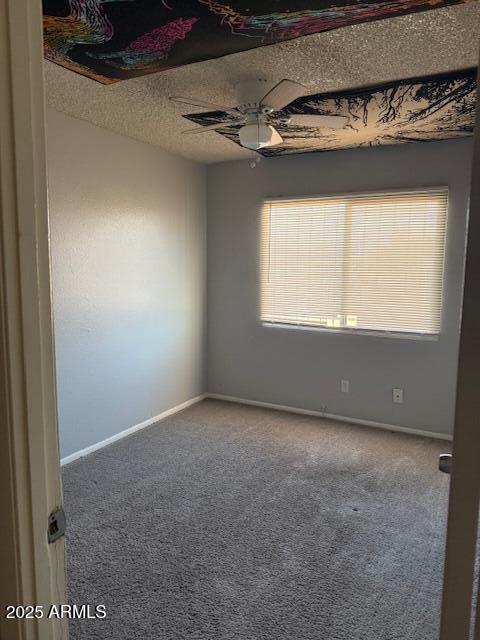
x,y
210,127
193,102
283,93
318,122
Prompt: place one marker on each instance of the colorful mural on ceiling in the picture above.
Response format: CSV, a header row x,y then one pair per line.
x,y
417,110
112,40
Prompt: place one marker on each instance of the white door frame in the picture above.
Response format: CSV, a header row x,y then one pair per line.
x,y
30,484
32,570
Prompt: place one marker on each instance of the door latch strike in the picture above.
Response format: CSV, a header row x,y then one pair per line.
x,y
57,524
445,462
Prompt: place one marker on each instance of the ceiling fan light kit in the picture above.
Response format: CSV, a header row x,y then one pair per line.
x,y
257,135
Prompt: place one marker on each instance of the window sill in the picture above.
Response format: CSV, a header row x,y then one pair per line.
x,y
396,335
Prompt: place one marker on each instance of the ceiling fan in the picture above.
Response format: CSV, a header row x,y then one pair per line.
x,y
259,113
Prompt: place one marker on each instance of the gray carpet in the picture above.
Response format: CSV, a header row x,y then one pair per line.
x,y
227,522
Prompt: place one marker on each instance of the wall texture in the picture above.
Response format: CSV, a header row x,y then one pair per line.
x,y
128,252
303,368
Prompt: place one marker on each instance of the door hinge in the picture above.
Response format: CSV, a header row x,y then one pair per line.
x,y
57,524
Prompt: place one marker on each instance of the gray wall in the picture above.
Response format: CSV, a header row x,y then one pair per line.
x,y
128,252
303,368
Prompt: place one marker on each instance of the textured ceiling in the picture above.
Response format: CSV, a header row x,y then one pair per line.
x,y
354,56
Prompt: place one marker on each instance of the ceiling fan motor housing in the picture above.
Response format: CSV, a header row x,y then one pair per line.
x,y
250,94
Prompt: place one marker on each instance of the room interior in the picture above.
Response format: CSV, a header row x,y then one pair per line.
x,y
228,474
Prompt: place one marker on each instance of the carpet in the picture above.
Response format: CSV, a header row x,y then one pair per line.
x,y
230,522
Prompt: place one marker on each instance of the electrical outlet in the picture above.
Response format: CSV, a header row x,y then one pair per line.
x,y
397,396
345,386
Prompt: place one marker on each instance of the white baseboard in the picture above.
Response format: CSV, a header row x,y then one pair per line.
x,y
130,430
255,403
331,416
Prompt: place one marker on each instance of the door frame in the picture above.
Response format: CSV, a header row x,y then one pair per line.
x,y
464,498
30,481
30,478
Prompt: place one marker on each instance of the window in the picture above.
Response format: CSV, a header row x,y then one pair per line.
x,y
370,262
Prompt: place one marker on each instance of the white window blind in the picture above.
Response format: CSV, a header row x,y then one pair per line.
x,y
372,262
